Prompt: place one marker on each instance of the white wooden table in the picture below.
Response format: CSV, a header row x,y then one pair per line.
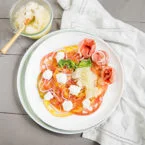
x,y
16,128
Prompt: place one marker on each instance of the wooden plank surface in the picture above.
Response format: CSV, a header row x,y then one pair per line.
x,y
22,43
16,128
5,6
15,125
21,130
9,102
127,10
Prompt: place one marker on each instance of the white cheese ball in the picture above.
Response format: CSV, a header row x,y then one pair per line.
x,y
67,105
47,74
59,56
87,104
74,90
48,96
61,78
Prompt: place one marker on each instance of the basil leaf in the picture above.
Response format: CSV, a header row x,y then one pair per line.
x,y
72,65
67,63
85,63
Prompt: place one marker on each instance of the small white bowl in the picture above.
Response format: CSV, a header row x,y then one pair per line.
x,y
16,6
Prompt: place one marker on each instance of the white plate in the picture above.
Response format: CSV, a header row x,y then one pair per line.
x,y
72,123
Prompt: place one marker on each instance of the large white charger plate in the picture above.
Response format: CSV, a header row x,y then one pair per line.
x,y
72,123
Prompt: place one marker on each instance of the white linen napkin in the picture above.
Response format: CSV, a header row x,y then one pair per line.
x,y
127,124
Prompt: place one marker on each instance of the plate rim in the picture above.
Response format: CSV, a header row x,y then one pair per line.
x,y
28,53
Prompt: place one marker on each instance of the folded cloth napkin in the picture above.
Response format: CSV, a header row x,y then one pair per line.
x,y
127,123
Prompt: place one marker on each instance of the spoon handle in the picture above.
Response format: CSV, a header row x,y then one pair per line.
x,y
11,41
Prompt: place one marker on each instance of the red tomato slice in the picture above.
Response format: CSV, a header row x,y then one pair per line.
x,y
74,56
48,62
95,104
96,69
56,104
45,85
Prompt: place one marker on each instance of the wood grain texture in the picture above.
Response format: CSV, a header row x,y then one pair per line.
x,y
9,101
21,130
142,19
16,128
5,6
22,43
15,125
142,25
127,10
8,45
135,24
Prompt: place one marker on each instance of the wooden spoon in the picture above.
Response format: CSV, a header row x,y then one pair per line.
x,y
13,39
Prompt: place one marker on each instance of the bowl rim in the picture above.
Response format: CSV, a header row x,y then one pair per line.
x,y
33,34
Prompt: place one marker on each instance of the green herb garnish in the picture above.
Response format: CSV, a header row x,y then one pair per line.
x,y
85,63
72,65
67,63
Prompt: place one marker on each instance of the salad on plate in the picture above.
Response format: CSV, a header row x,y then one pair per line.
x,y
74,79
